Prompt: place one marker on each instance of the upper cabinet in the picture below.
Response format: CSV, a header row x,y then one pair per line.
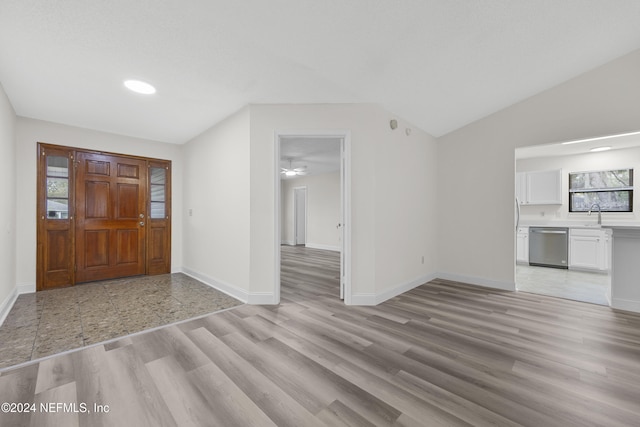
x,y
539,187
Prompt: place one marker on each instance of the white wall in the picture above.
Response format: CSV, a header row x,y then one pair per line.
x,y
393,197
226,176
216,191
607,160
8,197
476,241
30,132
323,210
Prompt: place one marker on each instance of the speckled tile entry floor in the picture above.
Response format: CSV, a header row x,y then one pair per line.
x,y
49,322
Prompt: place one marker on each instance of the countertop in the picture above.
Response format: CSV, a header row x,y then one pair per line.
x,y
582,224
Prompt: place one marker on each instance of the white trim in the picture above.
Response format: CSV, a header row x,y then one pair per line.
x,y
7,305
345,135
219,285
26,288
262,298
345,190
404,287
10,300
479,281
257,298
323,247
363,299
625,304
375,299
277,238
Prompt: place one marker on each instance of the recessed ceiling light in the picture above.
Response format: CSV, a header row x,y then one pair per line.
x,y
595,150
140,87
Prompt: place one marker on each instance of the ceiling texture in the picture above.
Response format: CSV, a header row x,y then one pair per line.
x,y
437,64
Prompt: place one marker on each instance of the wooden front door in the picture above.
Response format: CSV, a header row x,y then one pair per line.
x,y
100,216
111,198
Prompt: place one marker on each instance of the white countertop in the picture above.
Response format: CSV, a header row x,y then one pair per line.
x,y
582,224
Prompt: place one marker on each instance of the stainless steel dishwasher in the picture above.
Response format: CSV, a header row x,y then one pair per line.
x,y
549,246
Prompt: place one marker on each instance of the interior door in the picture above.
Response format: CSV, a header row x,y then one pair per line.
x,y
300,215
111,194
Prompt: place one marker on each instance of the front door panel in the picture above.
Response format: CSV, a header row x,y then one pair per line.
x,y
110,218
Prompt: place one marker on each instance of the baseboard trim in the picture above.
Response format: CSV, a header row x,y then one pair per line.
x,y
478,281
7,304
256,298
27,288
218,285
625,304
375,299
262,298
405,287
323,247
363,299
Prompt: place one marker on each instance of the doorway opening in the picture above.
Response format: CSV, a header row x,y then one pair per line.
x,y
548,201
312,204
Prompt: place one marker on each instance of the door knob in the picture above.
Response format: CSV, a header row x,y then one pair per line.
x,y
141,223
141,216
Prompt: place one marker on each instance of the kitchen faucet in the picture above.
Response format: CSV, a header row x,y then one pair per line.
x,y
599,212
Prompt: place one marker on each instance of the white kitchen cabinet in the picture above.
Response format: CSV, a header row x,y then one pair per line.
x,y
539,187
522,245
589,249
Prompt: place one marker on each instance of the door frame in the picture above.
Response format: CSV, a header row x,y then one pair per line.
x,y
296,208
41,197
345,197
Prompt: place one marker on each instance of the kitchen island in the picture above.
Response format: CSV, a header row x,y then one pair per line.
x,y
625,267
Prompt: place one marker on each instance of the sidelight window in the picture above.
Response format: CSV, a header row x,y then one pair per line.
x,y
158,182
57,187
612,190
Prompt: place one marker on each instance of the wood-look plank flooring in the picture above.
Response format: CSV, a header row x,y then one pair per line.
x,y
443,354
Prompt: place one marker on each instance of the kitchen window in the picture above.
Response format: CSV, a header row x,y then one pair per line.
x,y
612,190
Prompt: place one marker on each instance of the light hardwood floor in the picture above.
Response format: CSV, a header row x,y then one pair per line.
x,y
443,354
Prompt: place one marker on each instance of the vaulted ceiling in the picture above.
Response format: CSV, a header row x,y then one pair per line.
x,y
438,64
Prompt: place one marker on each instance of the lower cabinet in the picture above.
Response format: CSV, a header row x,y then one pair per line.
x,y
589,249
522,245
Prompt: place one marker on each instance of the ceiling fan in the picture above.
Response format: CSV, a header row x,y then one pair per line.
x,y
291,171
